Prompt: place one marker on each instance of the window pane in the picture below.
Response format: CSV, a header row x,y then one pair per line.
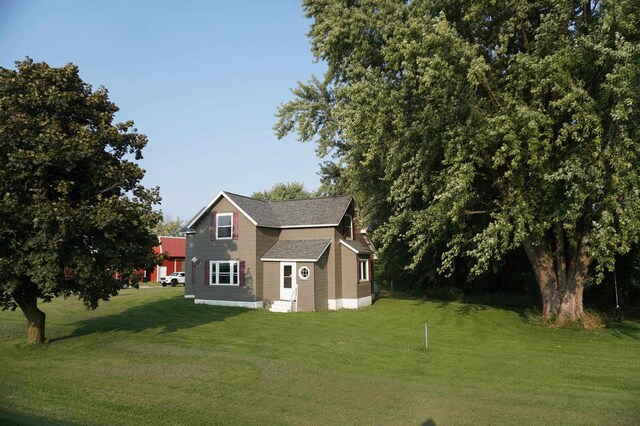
x,y
287,281
224,267
287,270
225,278
213,273
224,232
224,220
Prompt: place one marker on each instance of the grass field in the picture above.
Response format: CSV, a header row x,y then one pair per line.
x,y
150,356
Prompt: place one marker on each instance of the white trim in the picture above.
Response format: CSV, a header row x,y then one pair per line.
x,y
300,273
189,296
353,249
211,203
289,260
233,303
294,281
335,304
322,225
363,277
229,214
231,274
343,242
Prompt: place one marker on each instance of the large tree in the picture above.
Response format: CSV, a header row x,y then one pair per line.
x,y
73,213
283,191
169,227
486,124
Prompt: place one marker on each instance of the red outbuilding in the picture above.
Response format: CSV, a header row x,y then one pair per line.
x,y
175,249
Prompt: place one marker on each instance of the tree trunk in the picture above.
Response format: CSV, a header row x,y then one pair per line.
x,y
35,317
560,276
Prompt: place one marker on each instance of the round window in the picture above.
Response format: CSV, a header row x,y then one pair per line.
x,y
304,272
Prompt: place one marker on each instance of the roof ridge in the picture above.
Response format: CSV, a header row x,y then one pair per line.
x,y
311,198
244,196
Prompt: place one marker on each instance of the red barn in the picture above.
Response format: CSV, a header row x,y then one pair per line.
x,y
175,248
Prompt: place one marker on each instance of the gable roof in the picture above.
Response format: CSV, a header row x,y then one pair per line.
x,y
300,250
310,212
357,247
174,246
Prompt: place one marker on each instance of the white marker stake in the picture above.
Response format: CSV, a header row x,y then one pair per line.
x,y
426,334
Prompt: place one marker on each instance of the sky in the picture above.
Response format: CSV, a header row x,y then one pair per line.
x,y
203,80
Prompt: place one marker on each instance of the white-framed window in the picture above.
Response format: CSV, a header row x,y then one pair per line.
x,y
224,226
347,227
224,272
363,270
304,272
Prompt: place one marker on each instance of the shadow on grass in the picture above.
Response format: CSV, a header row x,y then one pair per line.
x,y
627,329
463,308
11,417
169,315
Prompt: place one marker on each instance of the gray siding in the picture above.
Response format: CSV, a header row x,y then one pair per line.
x,y
244,248
334,276
321,283
349,274
306,288
271,283
265,238
364,287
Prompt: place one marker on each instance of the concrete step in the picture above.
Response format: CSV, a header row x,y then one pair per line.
x,y
281,306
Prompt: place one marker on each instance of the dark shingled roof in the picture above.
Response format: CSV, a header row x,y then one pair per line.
x,y
311,211
297,250
282,214
361,248
259,210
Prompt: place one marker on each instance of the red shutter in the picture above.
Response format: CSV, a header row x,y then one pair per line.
x,y
207,278
213,225
241,274
235,225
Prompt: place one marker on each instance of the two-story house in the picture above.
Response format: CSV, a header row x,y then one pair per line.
x,y
303,255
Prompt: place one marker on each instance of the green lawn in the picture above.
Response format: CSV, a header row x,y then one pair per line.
x,y
150,356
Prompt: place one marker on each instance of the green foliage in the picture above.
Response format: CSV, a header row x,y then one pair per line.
x,y
466,129
73,211
169,227
283,191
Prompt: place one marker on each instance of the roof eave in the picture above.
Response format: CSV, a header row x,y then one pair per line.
x,y
201,213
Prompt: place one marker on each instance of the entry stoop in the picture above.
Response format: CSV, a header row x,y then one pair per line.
x,y
281,306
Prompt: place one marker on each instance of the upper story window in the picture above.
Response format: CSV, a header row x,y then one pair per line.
x,y
347,227
224,226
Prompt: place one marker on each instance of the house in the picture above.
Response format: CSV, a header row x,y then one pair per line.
x,y
304,255
175,249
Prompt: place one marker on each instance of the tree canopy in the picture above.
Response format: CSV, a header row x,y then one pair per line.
x,y
73,214
482,127
169,226
283,191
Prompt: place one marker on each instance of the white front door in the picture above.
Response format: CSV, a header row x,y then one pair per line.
x,y
287,279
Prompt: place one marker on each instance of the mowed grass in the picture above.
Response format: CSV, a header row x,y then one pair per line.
x,y
151,357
